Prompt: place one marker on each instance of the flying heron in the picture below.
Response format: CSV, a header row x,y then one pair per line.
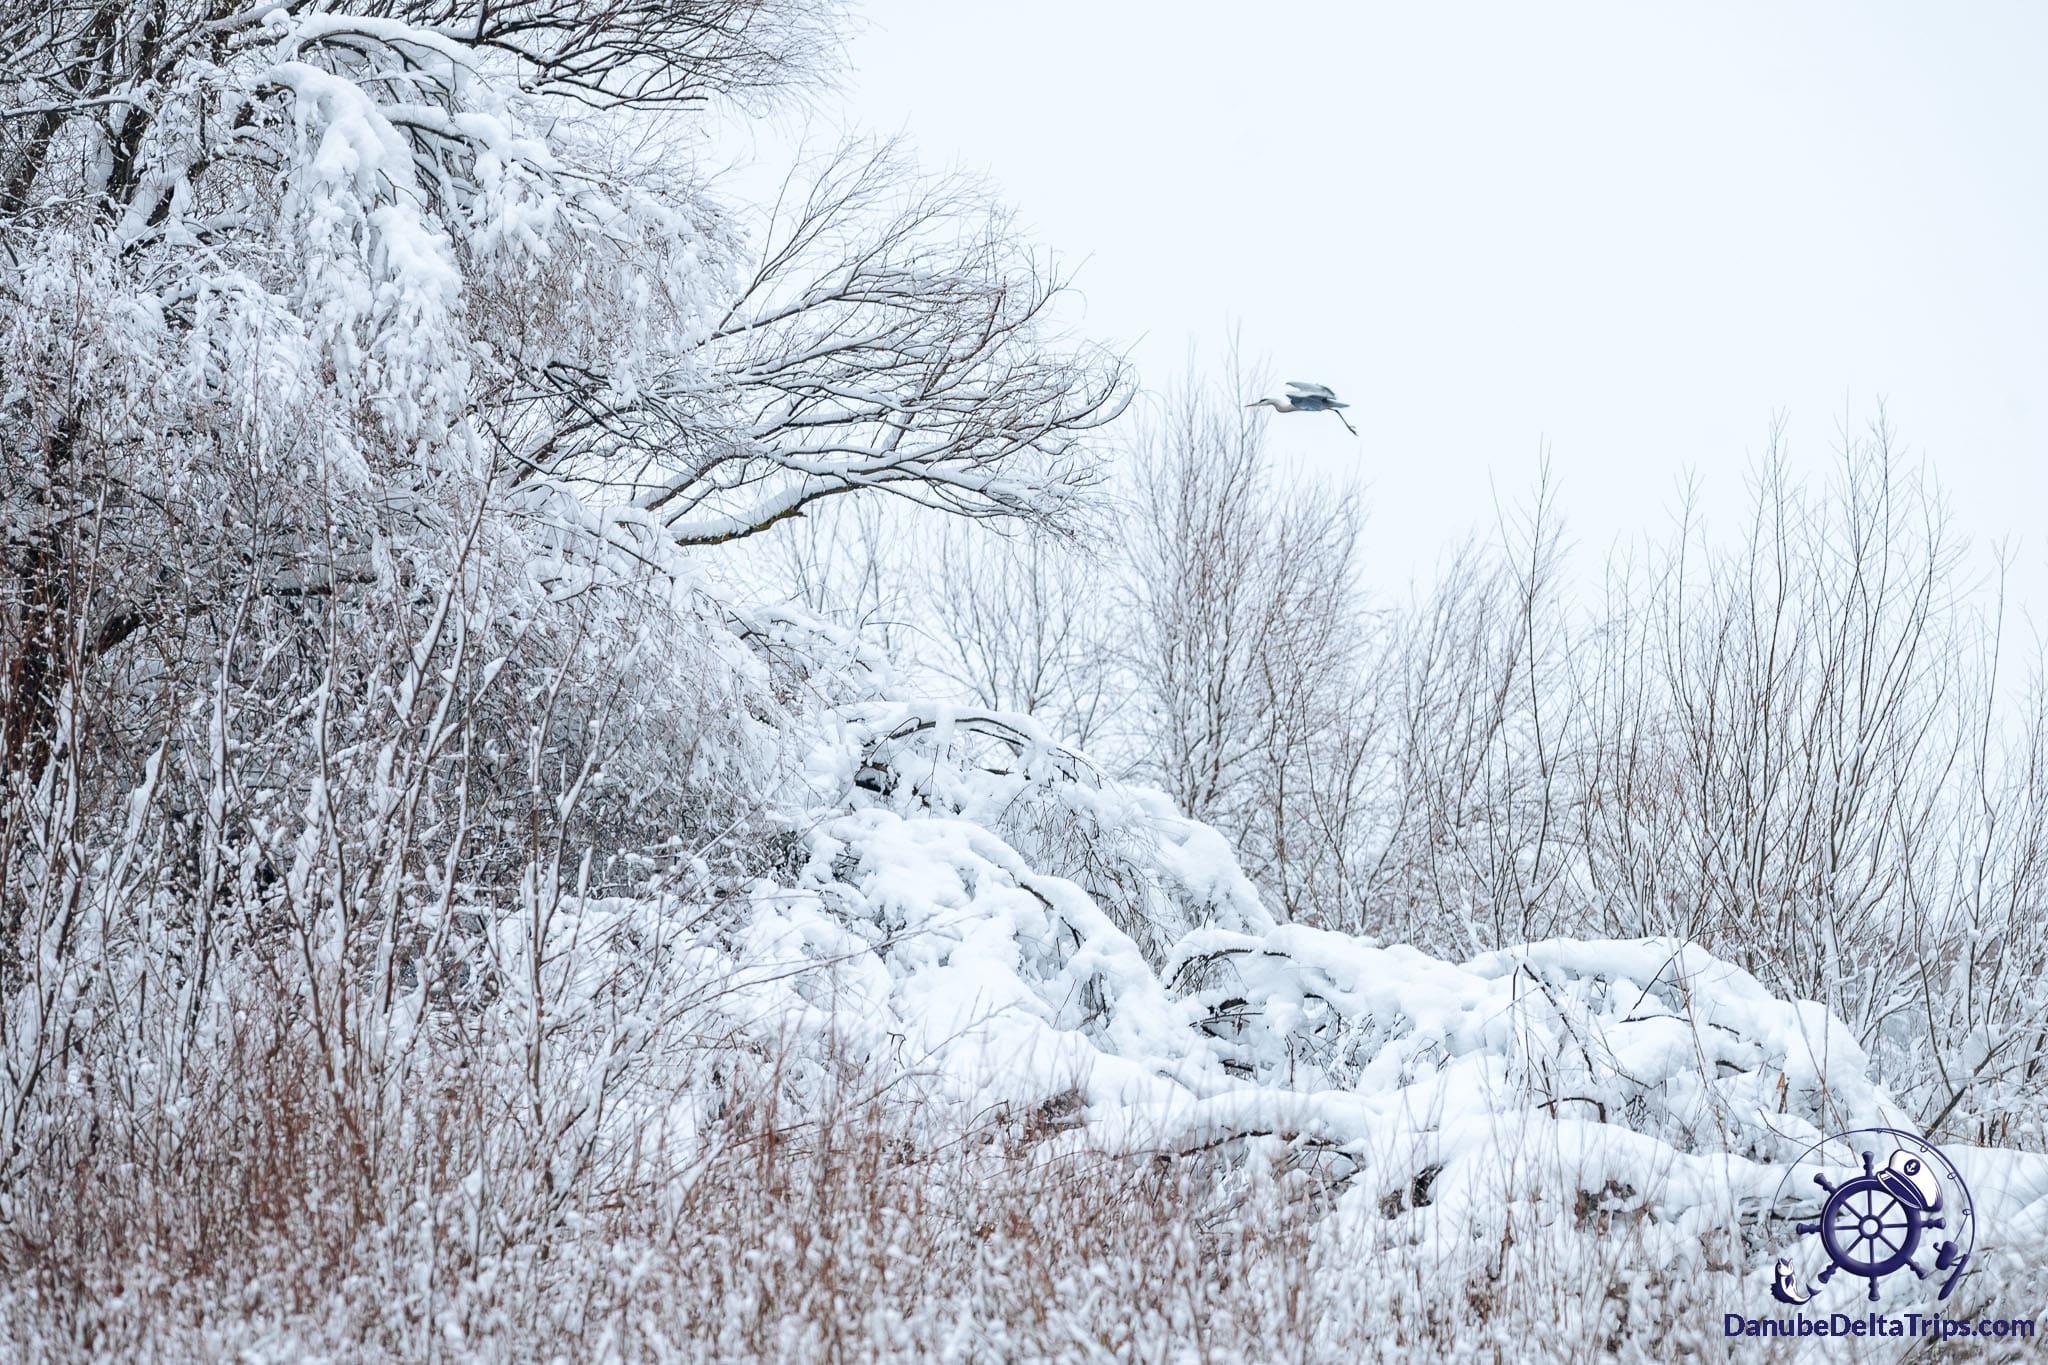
x,y
1307,398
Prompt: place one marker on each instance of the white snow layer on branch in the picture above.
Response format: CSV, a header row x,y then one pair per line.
x,y
494,242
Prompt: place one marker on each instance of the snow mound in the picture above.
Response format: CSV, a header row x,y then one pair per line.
x,y
982,907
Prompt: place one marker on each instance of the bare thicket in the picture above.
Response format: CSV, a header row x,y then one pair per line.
x,y
1023,623
1242,640
1804,745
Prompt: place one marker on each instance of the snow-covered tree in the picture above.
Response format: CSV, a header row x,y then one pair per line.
x,y
371,249
369,378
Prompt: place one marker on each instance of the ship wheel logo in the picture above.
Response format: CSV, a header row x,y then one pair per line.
x,y
1879,1220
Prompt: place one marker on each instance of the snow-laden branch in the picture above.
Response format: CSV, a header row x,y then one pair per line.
x,y
381,246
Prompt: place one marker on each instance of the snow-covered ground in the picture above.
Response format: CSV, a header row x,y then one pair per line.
x,y
1012,1063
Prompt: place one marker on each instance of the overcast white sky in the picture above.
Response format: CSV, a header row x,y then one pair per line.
x,y
1632,231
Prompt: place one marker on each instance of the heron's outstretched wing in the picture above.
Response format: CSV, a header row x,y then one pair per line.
x,y
1313,390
